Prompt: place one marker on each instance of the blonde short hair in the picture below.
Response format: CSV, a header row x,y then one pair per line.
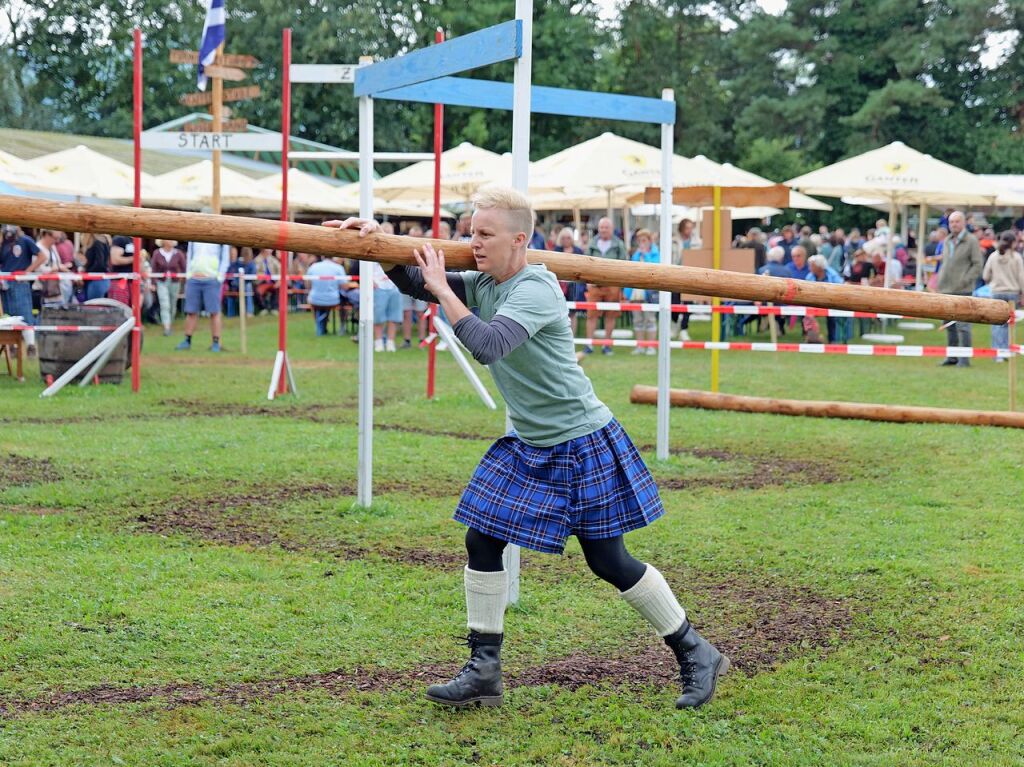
x,y
519,210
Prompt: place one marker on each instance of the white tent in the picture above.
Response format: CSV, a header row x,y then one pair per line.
x,y
84,172
610,171
191,187
26,176
898,175
307,192
464,169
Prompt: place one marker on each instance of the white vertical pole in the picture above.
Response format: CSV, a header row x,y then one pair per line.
x,y
664,298
521,84
365,482
922,225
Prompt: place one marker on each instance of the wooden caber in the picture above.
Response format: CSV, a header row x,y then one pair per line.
x,y
648,395
261,233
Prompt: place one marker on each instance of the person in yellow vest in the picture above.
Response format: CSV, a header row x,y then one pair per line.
x,y
206,265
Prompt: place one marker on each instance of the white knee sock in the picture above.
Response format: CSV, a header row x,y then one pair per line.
x,y
652,597
29,337
486,595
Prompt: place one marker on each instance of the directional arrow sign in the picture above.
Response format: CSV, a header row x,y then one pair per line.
x,y
188,141
202,98
224,73
240,60
226,126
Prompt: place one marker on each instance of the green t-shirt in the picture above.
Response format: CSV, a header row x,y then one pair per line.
x,y
550,399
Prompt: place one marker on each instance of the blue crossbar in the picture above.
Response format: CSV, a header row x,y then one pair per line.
x,y
501,42
488,94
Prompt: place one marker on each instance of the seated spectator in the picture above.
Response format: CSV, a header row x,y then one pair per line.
x,y
838,328
798,269
773,263
324,295
862,270
267,265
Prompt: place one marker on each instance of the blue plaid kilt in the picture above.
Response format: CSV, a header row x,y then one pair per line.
x,y
595,486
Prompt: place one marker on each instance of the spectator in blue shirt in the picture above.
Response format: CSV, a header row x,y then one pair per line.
x,y
773,263
787,243
819,271
798,265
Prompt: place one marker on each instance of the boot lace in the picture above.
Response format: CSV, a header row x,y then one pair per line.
x,y
687,669
471,642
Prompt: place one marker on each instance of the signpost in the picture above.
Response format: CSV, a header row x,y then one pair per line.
x,y
217,136
203,99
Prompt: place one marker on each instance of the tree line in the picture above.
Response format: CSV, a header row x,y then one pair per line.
x,y
775,94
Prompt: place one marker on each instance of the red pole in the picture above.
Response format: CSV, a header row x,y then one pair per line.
x,y
285,256
438,147
137,255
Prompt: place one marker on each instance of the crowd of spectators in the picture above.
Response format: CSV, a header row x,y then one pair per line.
x,y
959,257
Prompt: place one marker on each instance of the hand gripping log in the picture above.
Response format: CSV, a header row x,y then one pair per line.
x,y
261,233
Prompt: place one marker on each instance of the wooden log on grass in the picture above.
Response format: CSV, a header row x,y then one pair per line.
x,y
282,235
648,395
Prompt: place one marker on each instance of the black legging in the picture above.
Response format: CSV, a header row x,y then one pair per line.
x,y
606,557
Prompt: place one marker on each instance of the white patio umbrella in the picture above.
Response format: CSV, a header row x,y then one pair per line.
x,y
309,193
899,175
464,169
611,171
347,201
84,172
26,176
305,191
191,187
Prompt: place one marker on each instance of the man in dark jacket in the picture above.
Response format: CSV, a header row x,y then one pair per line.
x,y
962,263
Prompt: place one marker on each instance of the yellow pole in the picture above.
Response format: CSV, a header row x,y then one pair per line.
x,y
716,250
1012,362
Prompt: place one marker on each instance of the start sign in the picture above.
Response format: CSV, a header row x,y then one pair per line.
x,y
188,141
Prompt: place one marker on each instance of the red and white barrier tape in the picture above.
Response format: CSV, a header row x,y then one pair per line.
x,y
867,350
60,328
33,276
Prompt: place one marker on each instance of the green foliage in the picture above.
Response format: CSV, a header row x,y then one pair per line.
x,y
819,82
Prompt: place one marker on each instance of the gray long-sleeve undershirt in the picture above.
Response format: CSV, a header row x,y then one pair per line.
x,y
488,342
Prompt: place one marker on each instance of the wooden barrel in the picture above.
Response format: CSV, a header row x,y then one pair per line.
x,y
59,350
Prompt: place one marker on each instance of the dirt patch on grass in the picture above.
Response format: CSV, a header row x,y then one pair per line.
x,y
467,435
34,511
247,519
322,413
752,472
789,622
22,471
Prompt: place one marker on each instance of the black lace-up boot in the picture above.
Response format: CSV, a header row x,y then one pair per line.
x,y
479,681
700,665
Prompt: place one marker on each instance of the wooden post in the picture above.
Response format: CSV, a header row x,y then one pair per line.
x,y
648,395
243,309
263,233
773,326
716,263
217,110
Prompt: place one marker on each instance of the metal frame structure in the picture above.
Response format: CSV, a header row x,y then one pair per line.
x,y
425,75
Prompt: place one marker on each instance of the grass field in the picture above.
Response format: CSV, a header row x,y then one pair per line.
x,y
185,579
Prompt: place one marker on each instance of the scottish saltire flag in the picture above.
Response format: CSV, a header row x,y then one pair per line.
x,y
213,36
